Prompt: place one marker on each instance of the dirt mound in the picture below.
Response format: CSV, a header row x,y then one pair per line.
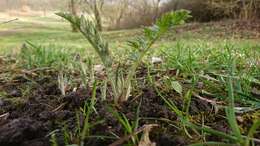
x,y
31,119
44,111
19,131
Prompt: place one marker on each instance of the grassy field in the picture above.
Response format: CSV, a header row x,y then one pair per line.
x,y
204,89
55,32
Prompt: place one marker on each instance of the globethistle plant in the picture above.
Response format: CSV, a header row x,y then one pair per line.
x,y
121,85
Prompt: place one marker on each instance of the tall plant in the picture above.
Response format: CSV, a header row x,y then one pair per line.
x,y
122,85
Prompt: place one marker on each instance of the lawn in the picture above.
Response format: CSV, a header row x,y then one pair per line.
x,y
56,32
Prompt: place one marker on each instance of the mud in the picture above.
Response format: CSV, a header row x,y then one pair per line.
x,y
31,118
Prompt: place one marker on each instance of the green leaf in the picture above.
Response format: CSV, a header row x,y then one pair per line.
x,y
177,86
151,32
212,144
143,44
89,29
253,130
138,43
172,18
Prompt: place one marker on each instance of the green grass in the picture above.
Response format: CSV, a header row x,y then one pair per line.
x,y
234,75
227,67
43,31
195,50
191,51
56,32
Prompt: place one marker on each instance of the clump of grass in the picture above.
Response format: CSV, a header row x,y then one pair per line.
x,y
33,56
235,137
129,127
208,63
121,85
83,131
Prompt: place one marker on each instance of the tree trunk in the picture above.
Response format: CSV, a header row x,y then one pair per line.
x,y
73,10
97,14
8,7
157,8
24,5
122,8
118,20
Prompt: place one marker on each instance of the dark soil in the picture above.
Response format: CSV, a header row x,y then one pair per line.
x,y
28,117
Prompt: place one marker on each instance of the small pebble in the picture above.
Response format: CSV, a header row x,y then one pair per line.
x,y
1,61
200,85
256,92
99,68
1,102
240,119
15,93
156,60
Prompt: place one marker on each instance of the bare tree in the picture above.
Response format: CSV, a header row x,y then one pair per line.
x,y
23,2
249,8
24,5
132,13
44,7
156,4
6,3
144,11
73,10
122,6
95,7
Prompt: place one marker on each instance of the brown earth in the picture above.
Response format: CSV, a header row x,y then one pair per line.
x,y
29,119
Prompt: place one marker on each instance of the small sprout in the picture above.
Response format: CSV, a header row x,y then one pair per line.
x,y
145,141
177,87
121,85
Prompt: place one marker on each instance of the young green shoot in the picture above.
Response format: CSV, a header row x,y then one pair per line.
x,y
143,44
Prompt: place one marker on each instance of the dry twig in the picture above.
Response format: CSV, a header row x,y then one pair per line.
x,y
5,22
127,137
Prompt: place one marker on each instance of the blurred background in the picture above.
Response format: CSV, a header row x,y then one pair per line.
x,y
121,20
122,14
